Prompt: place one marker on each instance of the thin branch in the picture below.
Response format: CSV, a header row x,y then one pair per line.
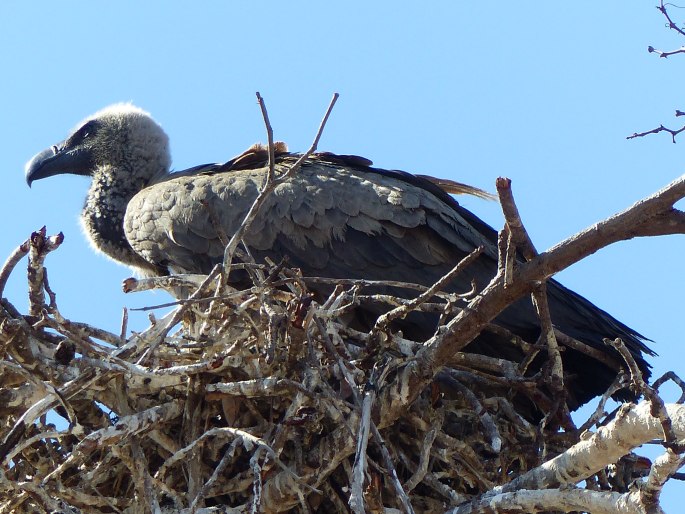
x,y
521,239
6,270
658,410
178,315
266,191
400,312
665,466
270,139
665,54
670,375
671,24
660,128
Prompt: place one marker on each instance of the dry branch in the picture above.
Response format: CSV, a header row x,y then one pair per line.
x,y
671,24
271,183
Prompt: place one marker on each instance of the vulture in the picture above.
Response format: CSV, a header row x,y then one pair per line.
x,y
336,217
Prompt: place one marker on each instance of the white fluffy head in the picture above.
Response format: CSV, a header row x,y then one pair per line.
x,y
127,137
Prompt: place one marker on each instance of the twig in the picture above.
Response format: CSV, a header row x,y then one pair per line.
x,y
178,315
401,311
124,326
547,334
609,360
141,475
270,139
522,242
390,467
660,128
670,375
359,473
671,24
493,435
658,408
126,427
218,470
6,270
266,190
245,437
519,234
664,54
40,246
665,466
426,446
169,283
233,296
599,412
359,469
361,283
505,261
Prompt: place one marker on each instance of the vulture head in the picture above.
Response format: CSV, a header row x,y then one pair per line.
x,y
120,139
123,149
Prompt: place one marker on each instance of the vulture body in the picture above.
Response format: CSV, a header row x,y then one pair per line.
x,y
336,217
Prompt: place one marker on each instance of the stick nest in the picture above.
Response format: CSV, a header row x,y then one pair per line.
x,y
255,400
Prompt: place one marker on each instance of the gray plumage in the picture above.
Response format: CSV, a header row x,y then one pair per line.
x,y
337,217
169,222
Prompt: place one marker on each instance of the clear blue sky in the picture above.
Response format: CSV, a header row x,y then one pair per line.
x,y
543,93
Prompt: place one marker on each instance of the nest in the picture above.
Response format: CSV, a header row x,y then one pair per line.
x,y
257,400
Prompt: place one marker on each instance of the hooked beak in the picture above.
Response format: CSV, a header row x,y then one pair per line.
x,y
57,160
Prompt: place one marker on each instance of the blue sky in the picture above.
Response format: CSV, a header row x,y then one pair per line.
x,y
543,93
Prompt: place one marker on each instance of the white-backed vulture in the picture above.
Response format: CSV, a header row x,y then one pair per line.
x,y
336,217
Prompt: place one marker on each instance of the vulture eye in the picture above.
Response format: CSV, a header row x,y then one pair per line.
x,y
83,133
